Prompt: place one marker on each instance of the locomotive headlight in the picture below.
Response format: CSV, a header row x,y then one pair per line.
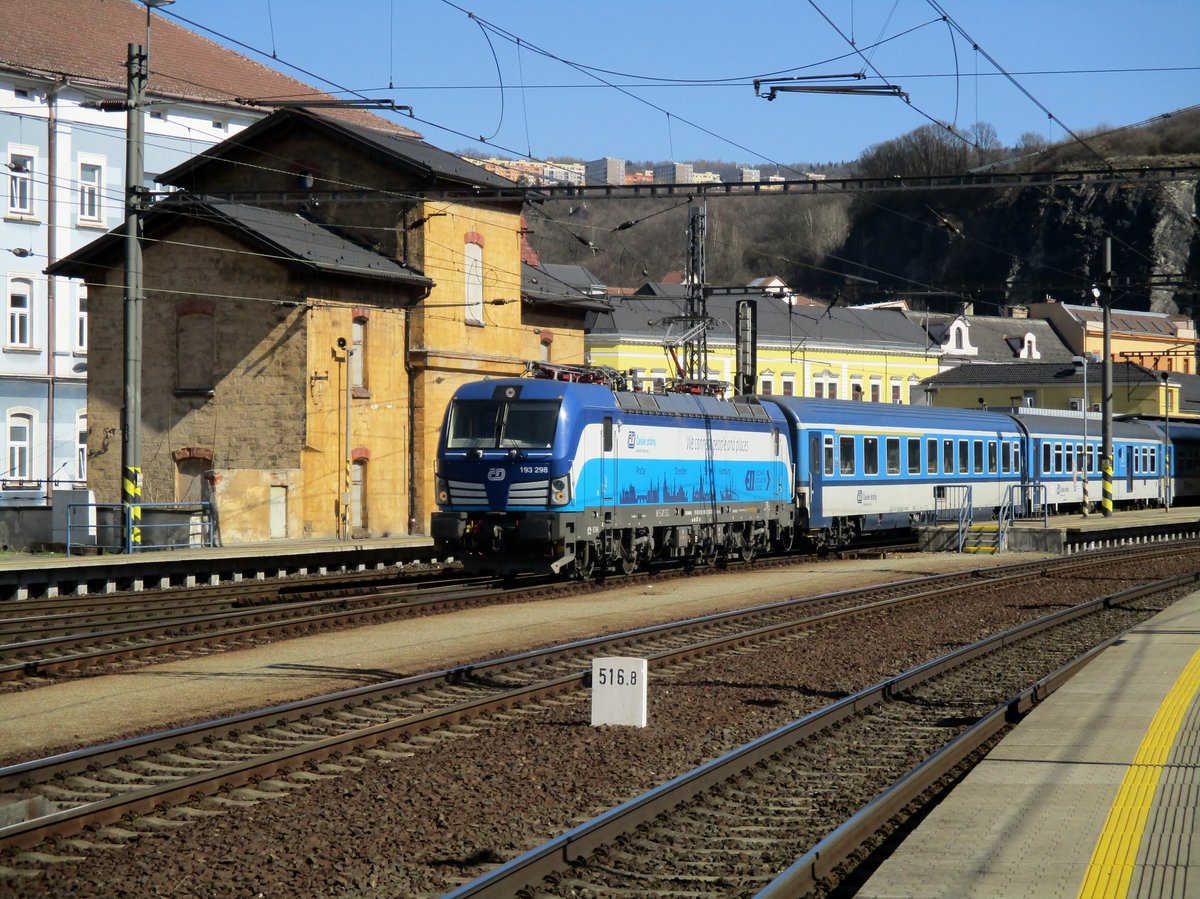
x,y
560,491
443,491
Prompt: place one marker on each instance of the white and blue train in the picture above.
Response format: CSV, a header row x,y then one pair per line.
x,y
553,474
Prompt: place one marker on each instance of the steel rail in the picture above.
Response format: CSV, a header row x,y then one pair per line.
x,y
19,777
530,868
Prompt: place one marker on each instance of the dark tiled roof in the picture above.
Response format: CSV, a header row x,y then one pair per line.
x,y
424,160
282,235
1124,320
1022,373
87,40
998,338
877,329
543,286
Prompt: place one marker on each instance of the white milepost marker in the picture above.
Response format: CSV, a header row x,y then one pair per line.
x,y
619,691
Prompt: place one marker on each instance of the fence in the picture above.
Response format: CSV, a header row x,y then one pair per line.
x,y
106,527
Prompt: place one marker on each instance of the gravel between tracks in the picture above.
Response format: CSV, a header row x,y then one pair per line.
x,y
417,824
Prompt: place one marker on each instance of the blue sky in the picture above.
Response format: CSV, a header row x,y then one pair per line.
x,y
679,75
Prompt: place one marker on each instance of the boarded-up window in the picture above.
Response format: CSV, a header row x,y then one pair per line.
x,y
189,480
194,346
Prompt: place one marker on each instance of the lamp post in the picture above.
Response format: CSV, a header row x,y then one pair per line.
x,y
1166,479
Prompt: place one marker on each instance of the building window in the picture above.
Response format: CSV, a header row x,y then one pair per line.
x,y
789,384
766,387
876,391
20,328
81,319
358,359
473,281
81,440
20,445
856,391
91,178
20,183
358,497
895,390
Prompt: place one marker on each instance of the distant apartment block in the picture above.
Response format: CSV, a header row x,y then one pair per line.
x,y
706,178
748,175
605,171
674,173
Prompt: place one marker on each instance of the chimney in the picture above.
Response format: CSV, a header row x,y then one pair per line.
x,y
1016,311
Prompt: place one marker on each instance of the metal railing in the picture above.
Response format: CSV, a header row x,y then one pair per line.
x,y
1022,502
107,527
952,503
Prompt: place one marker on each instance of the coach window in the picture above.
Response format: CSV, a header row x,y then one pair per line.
x,y
1080,459
828,452
1016,458
978,457
1047,448
1091,457
1154,460
931,456
991,451
948,457
914,455
964,456
893,455
870,455
1069,458
846,452
1058,459
1005,458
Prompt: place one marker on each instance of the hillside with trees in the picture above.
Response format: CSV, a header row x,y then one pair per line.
x,y
939,248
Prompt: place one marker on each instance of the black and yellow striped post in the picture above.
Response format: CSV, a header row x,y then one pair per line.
x,y
131,499
1107,502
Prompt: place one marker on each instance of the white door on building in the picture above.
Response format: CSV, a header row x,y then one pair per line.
x,y
278,513
358,499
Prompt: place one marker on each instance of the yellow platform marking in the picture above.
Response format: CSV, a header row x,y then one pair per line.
x,y
1113,862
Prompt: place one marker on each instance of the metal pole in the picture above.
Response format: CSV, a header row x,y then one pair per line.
x,y
347,483
131,413
1106,382
1086,449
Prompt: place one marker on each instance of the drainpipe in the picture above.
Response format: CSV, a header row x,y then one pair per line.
x,y
412,417
52,282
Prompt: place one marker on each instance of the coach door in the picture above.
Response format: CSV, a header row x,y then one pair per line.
x,y
608,464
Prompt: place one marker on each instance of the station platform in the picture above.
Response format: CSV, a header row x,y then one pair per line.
x,y
1094,794
1067,534
31,575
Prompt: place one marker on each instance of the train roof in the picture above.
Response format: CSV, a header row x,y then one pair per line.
x,y
1072,425
601,396
810,411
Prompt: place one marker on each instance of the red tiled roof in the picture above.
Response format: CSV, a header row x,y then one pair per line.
x,y
87,41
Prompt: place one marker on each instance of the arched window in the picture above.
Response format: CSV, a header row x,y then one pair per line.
x,y
20,312
19,436
473,279
358,358
195,346
81,446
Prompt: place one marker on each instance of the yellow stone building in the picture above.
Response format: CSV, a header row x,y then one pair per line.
x,y
838,353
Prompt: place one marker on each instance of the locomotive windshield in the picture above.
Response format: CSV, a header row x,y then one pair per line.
x,y
494,424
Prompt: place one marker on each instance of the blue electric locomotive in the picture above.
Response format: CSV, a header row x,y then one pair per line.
x,y
550,473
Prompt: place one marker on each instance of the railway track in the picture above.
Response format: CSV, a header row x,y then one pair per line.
x,y
829,788
103,784
40,639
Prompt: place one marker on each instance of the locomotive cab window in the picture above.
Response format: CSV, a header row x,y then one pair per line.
x,y
502,424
